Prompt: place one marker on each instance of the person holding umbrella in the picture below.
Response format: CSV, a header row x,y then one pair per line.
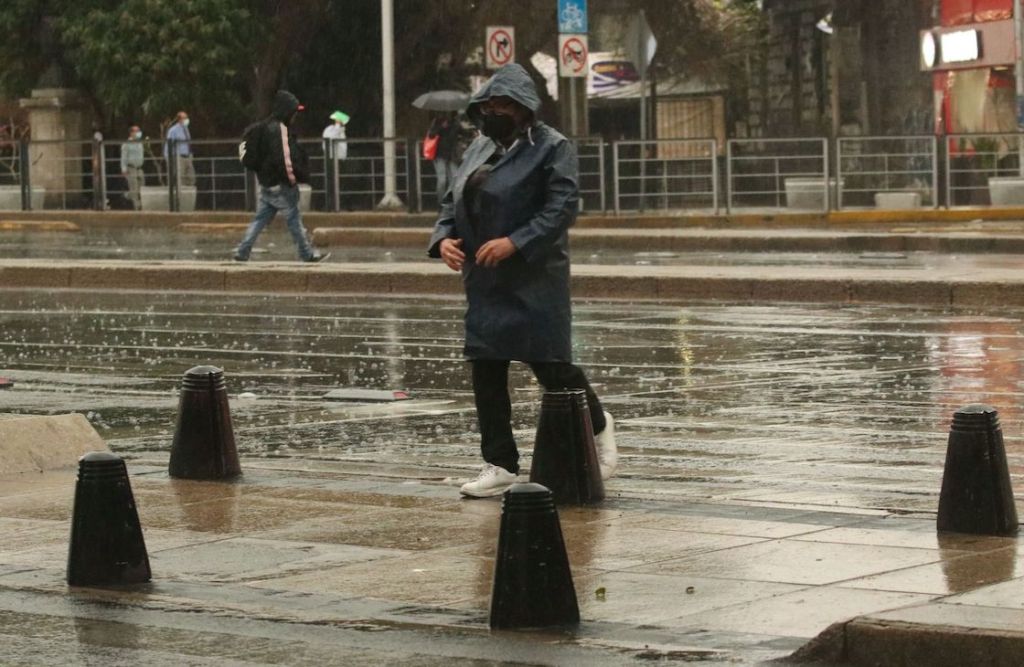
x,y
445,127
444,133
504,224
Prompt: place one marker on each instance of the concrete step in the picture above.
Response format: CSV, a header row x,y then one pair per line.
x,y
950,284
707,240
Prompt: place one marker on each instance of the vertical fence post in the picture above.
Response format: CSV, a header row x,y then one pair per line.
x,y
948,162
26,175
419,175
601,176
330,185
935,172
615,174
98,170
714,174
839,173
828,187
728,176
172,175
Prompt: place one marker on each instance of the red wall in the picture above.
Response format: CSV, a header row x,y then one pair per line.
x,y
958,12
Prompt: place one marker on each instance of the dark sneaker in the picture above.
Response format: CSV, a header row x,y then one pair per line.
x,y
239,258
317,258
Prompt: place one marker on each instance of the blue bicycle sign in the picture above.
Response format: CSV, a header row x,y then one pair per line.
x,y
572,16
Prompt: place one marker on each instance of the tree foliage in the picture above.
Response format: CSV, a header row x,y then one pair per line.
x,y
223,59
157,56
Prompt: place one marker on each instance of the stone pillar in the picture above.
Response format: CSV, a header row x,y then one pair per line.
x,y
58,115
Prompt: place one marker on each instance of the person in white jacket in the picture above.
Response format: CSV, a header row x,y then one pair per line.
x,y
335,134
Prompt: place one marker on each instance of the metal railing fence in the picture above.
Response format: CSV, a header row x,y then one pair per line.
x,y
777,173
972,159
624,176
665,174
14,177
868,166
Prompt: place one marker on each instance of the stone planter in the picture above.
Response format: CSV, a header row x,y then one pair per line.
x,y
10,198
154,198
187,198
1006,190
807,193
897,200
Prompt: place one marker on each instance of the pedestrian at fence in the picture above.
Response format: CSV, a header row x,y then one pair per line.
x,y
444,129
504,224
335,135
182,138
132,161
271,149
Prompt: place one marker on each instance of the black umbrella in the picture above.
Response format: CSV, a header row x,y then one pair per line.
x,y
442,100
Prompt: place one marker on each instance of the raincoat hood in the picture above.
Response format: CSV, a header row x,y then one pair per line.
x,y
513,81
285,104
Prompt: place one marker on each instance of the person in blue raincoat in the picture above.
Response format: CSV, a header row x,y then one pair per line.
x,y
504,224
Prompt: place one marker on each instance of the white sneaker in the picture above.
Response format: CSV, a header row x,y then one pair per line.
x,y
492,481
607,452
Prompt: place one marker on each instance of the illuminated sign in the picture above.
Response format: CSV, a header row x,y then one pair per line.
x,y
986,44
928,49
959,47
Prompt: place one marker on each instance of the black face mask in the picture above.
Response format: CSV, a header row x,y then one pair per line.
x,y
498,126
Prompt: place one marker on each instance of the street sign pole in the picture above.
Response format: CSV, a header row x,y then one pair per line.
x,y
390,200
574,65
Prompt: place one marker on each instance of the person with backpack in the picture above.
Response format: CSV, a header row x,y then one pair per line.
x,y
271,149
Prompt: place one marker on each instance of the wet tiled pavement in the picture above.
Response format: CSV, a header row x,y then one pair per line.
x,y
780,472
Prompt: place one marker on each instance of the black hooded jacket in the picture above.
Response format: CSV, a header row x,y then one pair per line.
x,y
262,150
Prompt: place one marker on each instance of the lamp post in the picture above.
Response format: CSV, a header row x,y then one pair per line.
x,y
387,26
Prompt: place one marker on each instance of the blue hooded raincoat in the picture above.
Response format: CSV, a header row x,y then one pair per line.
x,y
519,310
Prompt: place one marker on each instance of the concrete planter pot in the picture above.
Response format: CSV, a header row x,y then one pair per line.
x,y
1006,190
895,201
808,193
10,198
154,198
187,198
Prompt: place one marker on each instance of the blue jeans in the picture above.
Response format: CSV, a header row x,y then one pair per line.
x,y
284,198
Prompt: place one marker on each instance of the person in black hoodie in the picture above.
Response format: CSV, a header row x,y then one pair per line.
x,y
272,150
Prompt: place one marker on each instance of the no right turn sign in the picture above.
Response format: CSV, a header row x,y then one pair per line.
x,y
500,46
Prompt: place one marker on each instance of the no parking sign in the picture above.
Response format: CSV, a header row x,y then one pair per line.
x,y
573,53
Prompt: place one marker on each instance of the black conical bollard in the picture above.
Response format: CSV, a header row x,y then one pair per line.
x,y
564,453
106,538
976,495
532,581
204,442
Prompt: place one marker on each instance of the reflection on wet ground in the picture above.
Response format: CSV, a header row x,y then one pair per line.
x,y
821,406
213,244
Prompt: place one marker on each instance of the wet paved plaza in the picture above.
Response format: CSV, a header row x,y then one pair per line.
x,y
780,469
818,405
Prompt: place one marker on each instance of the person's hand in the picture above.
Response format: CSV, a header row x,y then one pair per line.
x,y
494,252
451,253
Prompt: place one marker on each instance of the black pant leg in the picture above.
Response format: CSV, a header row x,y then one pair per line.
x,y
559,375
494,413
